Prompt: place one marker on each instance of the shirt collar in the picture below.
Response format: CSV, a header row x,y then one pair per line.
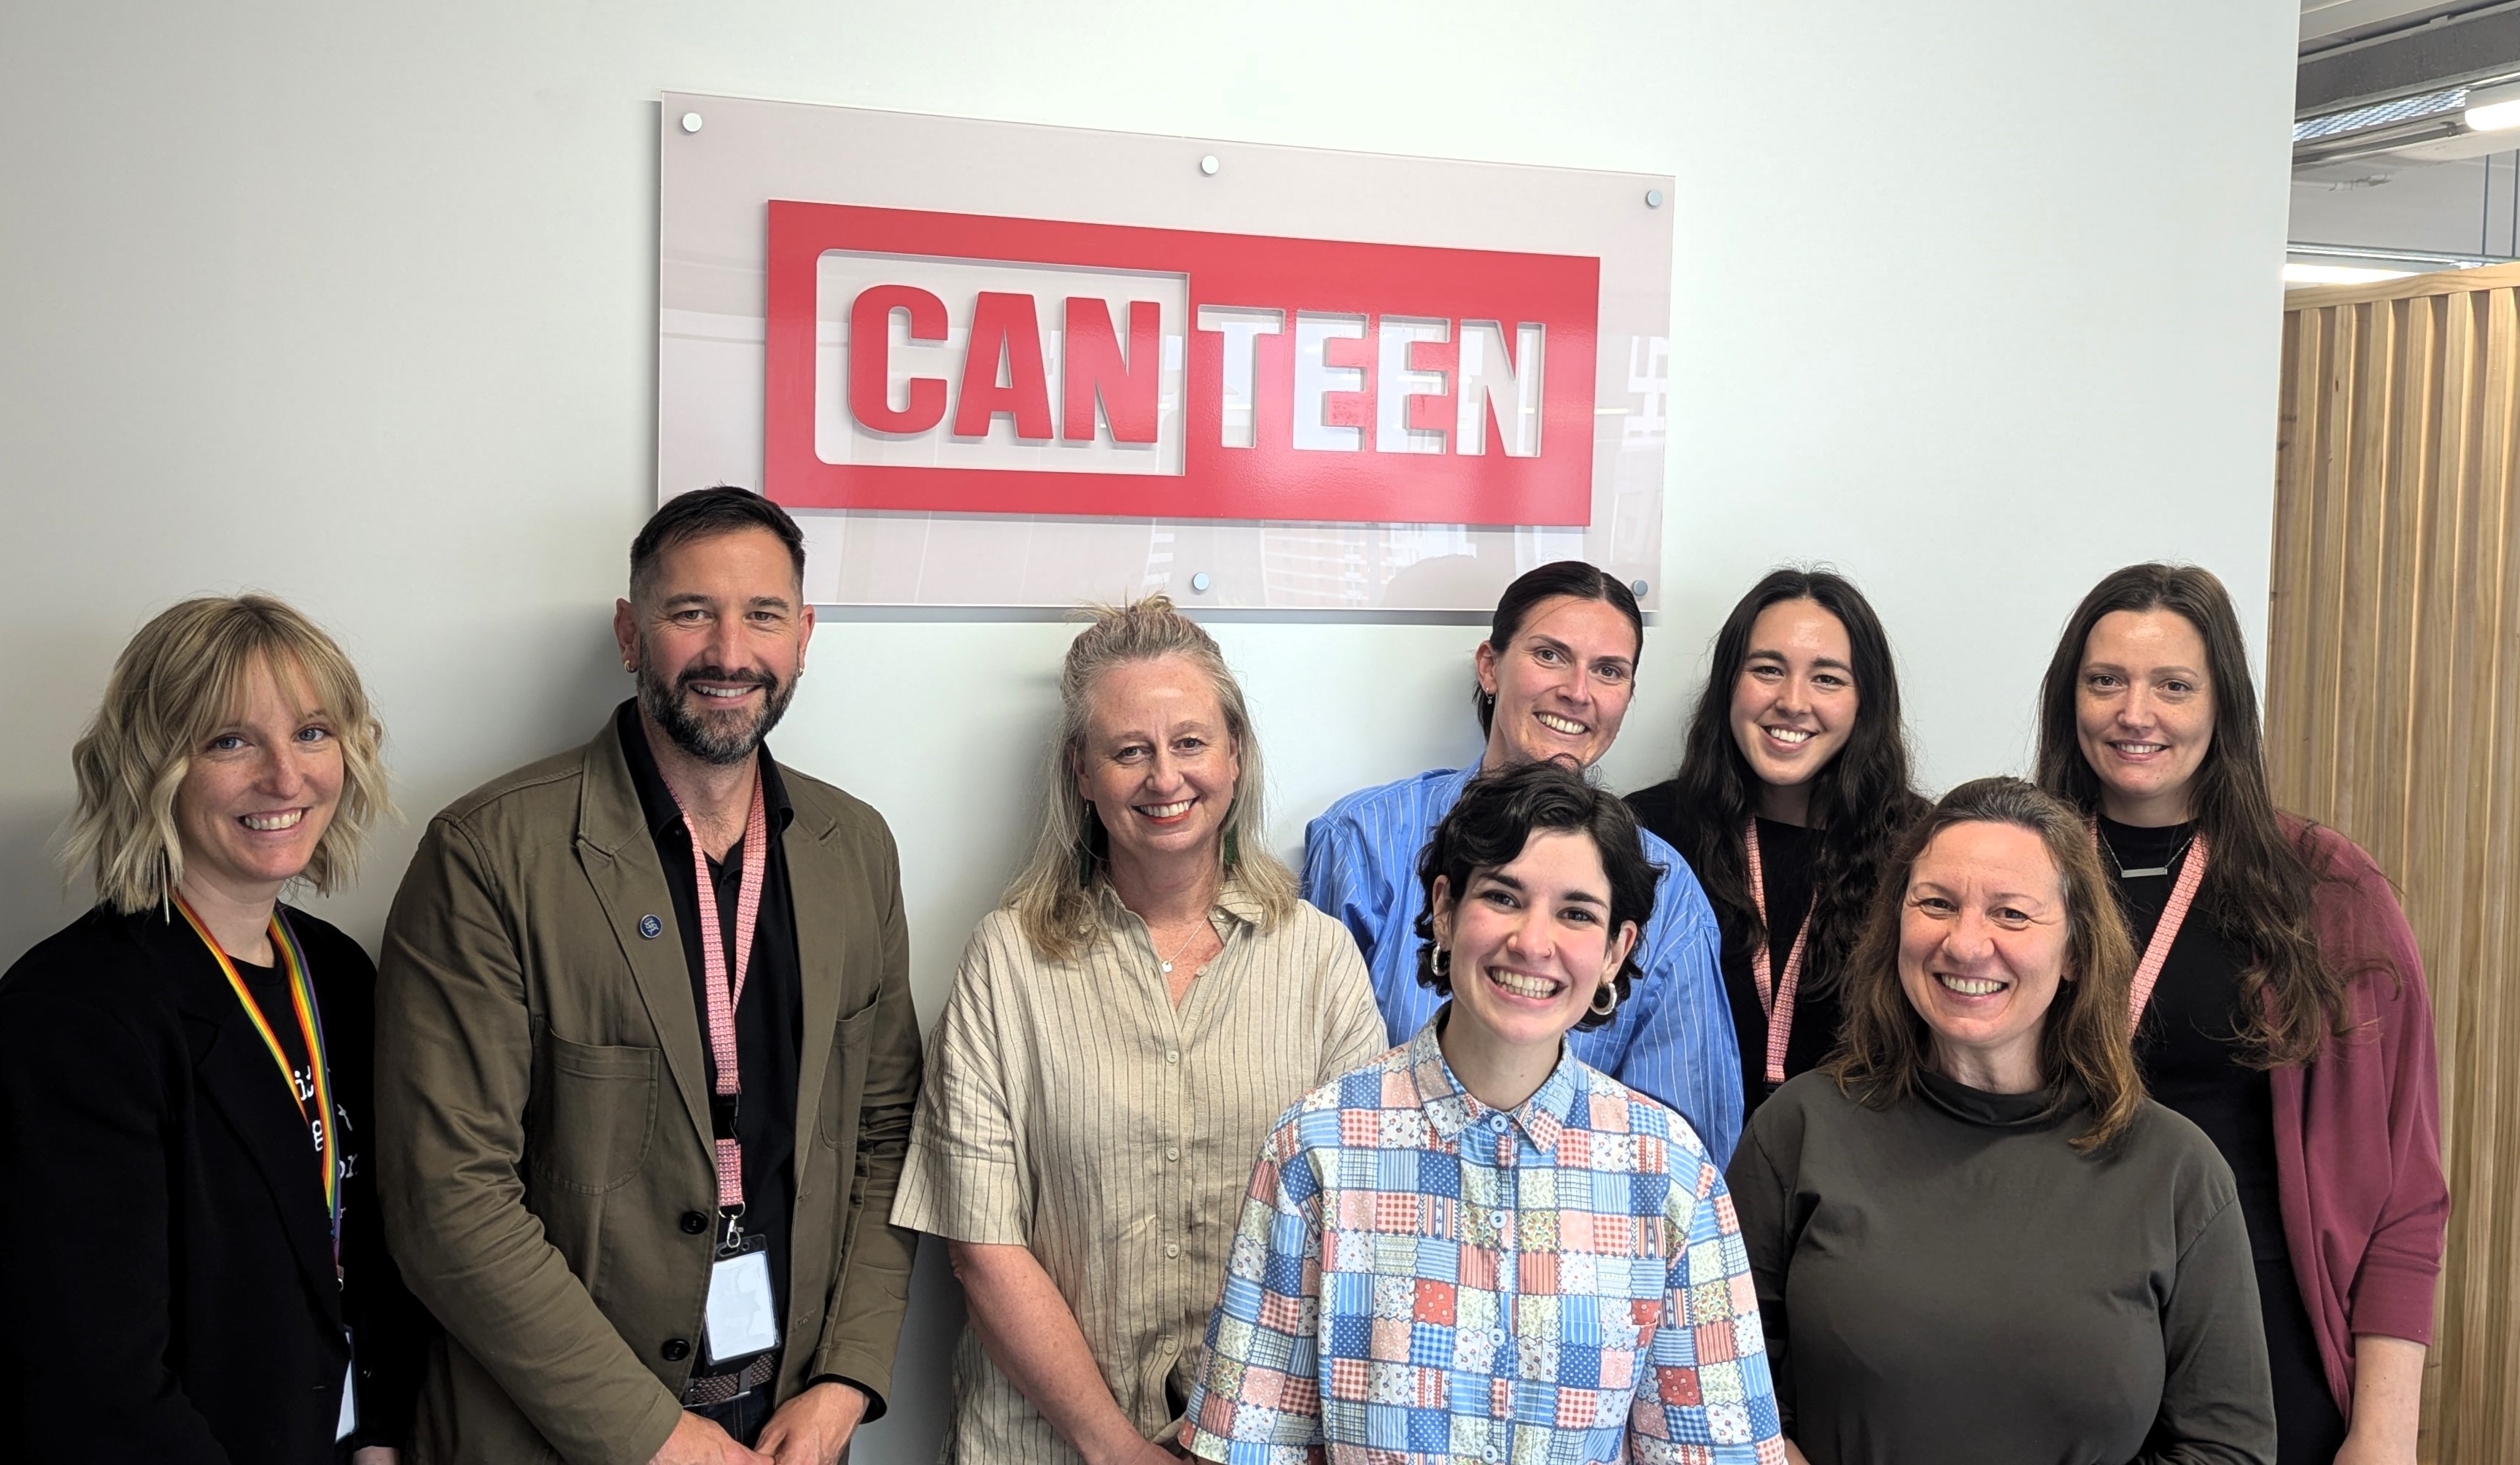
x,y
1454,1111
1233,897
657,801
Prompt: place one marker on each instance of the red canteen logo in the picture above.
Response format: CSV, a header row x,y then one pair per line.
x,y
961,363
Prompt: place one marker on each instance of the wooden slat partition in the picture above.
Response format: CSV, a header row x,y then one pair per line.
x,y
2393,712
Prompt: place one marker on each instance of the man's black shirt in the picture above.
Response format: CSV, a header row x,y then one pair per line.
x,y
769,1020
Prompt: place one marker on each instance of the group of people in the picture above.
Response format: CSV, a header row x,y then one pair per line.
x,y
1774,1113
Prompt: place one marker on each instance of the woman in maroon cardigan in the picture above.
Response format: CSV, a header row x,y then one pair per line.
x,y
2279,1003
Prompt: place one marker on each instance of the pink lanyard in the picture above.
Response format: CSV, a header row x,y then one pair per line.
x,y
724,992
1776,998
2165,932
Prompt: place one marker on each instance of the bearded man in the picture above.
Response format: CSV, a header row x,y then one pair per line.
x,y
646,1056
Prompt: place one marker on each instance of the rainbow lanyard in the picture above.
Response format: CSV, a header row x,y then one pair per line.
x,y
311,1025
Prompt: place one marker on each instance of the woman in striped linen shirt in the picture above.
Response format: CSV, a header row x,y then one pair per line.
x,y
1477,1248
1120,1035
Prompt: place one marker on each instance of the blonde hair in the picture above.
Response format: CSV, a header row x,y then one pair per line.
x,y
1054,896
178,682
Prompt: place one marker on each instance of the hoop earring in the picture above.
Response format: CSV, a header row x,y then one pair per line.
x,y
1441,963
1606,989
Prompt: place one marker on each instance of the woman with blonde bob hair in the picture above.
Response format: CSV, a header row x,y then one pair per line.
x,y
193,1270
1122,1033
1977,1163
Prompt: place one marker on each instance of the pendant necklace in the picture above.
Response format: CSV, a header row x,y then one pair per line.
x,y
1178,951
2149,872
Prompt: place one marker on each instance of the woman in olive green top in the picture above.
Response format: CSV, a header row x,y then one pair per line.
x,y
1974,1239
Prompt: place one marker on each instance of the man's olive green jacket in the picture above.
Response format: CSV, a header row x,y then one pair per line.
x,y
543,1123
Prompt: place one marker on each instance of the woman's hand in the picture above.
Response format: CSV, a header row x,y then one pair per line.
x,y
2358,1450
2388,1399
1028,1329
1795,1454
374,1454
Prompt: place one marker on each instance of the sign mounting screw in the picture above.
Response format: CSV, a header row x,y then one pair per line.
x,y
1208,165
691,122
1199,584
1654,197
1637,589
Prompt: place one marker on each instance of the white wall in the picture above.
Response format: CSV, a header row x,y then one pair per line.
x,y
356,303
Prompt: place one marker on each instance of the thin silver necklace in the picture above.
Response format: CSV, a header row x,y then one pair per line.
x,y
1184,946
2151,870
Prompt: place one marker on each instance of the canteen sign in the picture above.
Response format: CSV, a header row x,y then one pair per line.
x,y
974,363
1002,365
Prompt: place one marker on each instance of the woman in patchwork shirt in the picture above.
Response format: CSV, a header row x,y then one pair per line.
x,y
1477,1248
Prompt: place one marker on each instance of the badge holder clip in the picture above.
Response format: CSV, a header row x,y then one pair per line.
x,y
742,1317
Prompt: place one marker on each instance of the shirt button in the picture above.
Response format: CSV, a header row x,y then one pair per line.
x,y
1170,1347
1172,1248
675,1350
1172,1152
1172,1055
693,1224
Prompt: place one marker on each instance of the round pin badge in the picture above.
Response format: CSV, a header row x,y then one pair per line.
x,y
651,928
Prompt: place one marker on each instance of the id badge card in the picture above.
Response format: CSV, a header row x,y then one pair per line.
x,y
742,1317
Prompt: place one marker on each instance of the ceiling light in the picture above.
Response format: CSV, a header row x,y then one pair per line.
x,y
2498,118
2338,274
2493,108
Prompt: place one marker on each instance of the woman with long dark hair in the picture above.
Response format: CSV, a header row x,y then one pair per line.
x,y
2279,1003
1794,785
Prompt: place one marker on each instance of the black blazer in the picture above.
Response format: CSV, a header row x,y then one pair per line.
x,y
166,1283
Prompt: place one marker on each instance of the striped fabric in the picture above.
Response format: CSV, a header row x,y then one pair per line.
x,y
1419,1278
1671,1040
1070,1107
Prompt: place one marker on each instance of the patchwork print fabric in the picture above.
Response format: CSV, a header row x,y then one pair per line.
x,y
1419,1278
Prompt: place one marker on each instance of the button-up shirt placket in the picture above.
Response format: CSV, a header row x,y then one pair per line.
x,y
1180,1030
1548,1298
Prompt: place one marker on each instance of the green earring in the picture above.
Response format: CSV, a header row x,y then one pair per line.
x,y
1085,830
1233,846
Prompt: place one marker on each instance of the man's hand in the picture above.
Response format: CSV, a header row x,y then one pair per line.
x,y
699,1441
373,1454
814,1427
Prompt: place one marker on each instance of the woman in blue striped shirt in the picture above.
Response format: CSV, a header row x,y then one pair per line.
x,y
1553,680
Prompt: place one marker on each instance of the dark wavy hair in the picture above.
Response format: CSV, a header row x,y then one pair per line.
x,y
2259,884
1568,578
1497,815
1860,802
1885,1043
